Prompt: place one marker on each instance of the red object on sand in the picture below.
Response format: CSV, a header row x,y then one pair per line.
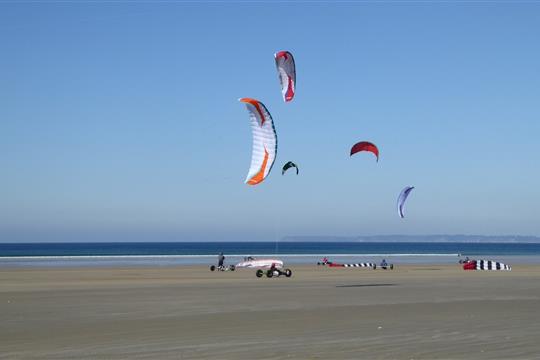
x,y
471,265
335,265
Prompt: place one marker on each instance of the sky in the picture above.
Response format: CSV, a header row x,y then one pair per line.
x,y
120,121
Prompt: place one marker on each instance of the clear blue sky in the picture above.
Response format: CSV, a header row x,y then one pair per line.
x,y
120,121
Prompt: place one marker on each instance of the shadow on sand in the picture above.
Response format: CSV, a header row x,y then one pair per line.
x,y
364,285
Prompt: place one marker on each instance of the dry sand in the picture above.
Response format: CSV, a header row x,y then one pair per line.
x,y
412,312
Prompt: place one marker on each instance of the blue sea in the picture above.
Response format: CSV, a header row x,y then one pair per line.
x,y
189,253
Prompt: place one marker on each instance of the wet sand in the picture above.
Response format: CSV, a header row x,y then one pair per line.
x,y
188,312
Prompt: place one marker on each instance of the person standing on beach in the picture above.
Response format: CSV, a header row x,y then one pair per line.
x,y
221,259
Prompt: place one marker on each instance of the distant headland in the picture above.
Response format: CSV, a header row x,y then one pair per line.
x,y
419,238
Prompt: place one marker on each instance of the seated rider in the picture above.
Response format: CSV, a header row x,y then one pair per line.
x,y
221,259
384,264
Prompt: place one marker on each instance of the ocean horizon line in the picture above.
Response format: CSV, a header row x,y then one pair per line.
x,y
331,240
170,256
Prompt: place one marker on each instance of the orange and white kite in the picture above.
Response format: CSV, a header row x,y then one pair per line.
x,y
264,141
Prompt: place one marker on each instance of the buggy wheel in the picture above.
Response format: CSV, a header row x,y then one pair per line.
x,y
212,267
391,266
232,267
270,273
259,273
288,272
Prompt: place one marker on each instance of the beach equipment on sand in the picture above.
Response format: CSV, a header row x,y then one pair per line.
x,y
357,265
274,272
272,267
222,268
366,265
485,265
260,263
384,265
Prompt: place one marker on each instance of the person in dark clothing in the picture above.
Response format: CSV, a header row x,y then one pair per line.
x,y
221,259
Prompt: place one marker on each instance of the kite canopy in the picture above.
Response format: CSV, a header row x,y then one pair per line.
x,y
264,141
287,74
365,146
401,199
287,166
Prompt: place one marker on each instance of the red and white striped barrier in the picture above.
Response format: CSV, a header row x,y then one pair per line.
x,y
359,265
485,265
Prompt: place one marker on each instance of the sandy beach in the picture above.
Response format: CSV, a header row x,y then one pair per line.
x,y
188,312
